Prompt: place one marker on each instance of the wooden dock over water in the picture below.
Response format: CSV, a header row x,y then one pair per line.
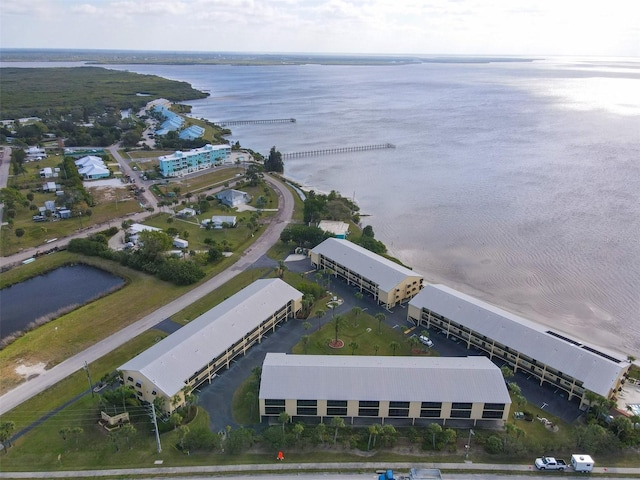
x,y
231,123
332,151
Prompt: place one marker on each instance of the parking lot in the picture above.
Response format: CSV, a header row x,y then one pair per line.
x,y
217,397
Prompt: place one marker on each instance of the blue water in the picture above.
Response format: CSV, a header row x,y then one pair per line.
x,y
517,183
27,301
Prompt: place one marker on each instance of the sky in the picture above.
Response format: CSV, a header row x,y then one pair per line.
x,y
456,27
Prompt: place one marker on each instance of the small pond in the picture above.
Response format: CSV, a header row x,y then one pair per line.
x,y
45,294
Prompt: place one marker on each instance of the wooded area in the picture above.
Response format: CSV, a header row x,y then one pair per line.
x,y
82,91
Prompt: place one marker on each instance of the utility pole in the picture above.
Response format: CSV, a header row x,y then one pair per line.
x,y
468,445
154,420
86,369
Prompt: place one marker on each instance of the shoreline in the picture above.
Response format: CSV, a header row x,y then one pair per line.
x,y
603,339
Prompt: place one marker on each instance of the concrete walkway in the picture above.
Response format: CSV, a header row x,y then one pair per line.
x,y
230,470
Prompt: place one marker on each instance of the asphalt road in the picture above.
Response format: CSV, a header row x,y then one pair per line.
x,y
271,235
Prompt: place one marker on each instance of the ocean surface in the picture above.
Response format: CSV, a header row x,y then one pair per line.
x,y
517,183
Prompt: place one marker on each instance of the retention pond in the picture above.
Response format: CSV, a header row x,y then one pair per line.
x,y
40,297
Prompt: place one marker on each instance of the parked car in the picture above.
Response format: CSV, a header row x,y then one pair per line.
x,y
425,341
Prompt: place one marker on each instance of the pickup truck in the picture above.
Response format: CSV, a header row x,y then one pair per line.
x,y
550,463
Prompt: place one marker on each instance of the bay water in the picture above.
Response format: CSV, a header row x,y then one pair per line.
x,y
517,183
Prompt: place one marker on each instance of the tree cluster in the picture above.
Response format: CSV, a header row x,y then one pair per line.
x,y
303,236
150,258
367,240
333,206
274,163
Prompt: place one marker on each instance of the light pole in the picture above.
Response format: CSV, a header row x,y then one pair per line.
x,y
86,368
467,447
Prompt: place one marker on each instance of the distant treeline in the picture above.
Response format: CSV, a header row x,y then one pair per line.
x,y
81,92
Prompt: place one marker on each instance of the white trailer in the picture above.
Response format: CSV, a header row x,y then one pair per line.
x,y
180,243
581,462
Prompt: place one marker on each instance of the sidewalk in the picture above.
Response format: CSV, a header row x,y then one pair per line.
x,y
316,468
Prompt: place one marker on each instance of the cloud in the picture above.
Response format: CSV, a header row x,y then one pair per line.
x,y
573,27
37,8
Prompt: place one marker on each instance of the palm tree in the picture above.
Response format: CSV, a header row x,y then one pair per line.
x,y
381,318
337,423
321,428
359,296
414,342
305,342
337,322
354,346
374,431
175,419
320,314
376,347
434,429
298,428
394,346
356,312
283,418
306,325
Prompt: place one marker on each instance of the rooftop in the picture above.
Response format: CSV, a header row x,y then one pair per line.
x,y
598,370
348,377
384,272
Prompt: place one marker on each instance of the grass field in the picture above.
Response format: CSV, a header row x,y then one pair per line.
x,y
71,333
370,335
110,204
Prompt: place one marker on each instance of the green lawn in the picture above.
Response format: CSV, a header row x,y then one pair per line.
x,y
370,336
71,333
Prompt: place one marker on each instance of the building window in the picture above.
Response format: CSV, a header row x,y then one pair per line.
x,y
273,406
491,414
398,409
307,407
461,410
130,379
308,411
336,408
154,392
368,408
493,410
138,384
430,409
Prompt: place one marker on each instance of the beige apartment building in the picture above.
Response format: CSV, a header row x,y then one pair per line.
x,y
194,354
388,282
571,365
455,391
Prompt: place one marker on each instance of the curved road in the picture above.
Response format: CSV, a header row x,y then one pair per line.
x,y
271,235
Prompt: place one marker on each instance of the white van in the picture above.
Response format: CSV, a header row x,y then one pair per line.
x,y
581,462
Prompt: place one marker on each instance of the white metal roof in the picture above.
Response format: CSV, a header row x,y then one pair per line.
x,y
384,272
597,373
349,377
334,227
172,361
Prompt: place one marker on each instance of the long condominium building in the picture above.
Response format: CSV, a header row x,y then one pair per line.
x,y
388,282
180,163
194,354
550,356
459,391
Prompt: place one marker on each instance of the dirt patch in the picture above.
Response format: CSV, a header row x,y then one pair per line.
x,y
106,194
28,371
